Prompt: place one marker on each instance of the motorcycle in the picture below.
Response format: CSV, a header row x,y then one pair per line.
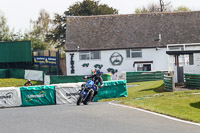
x,y
86,93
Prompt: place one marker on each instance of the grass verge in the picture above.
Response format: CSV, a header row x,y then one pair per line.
x,y
12,82
149,95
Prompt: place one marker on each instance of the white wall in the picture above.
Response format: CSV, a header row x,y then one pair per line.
x,y
159,58
193,69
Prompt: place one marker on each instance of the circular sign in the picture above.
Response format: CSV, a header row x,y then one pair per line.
x,y
116,59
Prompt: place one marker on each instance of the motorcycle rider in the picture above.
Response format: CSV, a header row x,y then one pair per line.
x,y
97,79
28,83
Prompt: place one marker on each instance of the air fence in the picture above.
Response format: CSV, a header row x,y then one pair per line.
x,y
168,83
192,81
56,94
144,76
149,76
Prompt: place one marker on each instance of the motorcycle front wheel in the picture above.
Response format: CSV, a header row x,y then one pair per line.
x,y
87,100
79,100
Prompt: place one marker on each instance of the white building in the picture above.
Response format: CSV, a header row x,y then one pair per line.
x,y
136,42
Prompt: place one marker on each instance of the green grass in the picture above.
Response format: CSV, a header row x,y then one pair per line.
x,y
12,82
150,96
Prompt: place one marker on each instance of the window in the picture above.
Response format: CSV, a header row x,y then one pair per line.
x,y
95,55
191,59
146,67
134,53
84,55
89,55
143,67
139,67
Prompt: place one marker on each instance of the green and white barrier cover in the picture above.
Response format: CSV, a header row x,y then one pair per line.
x,y
10,97
67,93
37,95
112,89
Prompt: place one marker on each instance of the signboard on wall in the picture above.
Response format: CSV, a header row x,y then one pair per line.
x,y
44,60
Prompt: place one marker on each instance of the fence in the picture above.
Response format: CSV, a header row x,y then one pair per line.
x,y
21,74
144,76
12,73
4,73
168,83
192,80
47,60
70,79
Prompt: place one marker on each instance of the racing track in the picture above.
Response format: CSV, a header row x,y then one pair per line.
x,y
94,118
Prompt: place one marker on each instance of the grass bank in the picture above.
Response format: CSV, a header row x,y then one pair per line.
x,y
12,82
149,95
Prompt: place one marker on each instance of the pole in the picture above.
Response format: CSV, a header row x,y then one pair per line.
x,y
58,61
49,65
39,55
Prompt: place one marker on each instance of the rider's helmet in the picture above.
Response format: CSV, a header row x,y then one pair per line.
x,y
98,73
29,80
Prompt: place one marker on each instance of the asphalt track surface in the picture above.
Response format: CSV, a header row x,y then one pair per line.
x,y
94,118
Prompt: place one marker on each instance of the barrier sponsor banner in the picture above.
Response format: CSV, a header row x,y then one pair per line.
x,y
10,97
34,75
112,89
44,60
37,95
67,93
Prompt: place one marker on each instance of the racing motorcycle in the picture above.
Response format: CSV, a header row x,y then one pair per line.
x,y
86,93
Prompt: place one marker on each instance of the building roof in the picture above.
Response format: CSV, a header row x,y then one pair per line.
x,y
131,31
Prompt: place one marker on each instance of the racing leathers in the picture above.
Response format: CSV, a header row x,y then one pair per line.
x,y
97,81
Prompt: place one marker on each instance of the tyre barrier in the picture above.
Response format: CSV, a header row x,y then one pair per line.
x,y
55,94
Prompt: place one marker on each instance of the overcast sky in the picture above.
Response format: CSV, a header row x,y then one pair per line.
x,y
19,12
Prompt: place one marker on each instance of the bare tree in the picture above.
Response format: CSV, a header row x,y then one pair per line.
x,y
159,7
164,6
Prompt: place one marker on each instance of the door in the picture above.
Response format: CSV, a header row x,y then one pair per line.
x,y
180,74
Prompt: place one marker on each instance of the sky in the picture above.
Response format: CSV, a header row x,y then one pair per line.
x,y
19,12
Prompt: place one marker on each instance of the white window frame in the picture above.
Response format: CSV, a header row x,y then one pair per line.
x,y
89,54
129,55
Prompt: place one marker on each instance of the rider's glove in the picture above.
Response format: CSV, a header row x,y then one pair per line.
x,y
101,86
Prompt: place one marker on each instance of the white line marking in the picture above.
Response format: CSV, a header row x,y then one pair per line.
x,y
161,115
